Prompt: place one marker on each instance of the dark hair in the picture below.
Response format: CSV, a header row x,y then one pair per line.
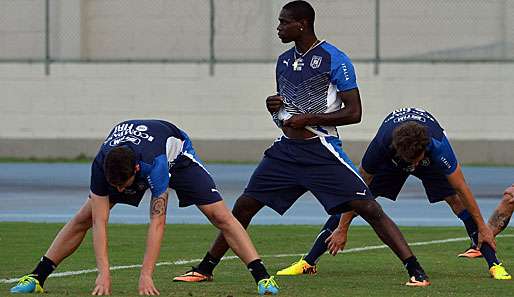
x,y
410,140
301,10
119,165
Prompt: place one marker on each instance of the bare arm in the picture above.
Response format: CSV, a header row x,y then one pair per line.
x,y
100,218
158,207
456,179
350,114
337,240
500,218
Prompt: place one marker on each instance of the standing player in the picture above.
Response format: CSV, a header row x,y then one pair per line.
x,y
410,142
313,79
137,155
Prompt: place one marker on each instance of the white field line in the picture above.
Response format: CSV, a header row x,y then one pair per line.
x,y
181,262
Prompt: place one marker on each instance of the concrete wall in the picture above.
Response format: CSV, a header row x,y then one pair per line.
x,y
68,112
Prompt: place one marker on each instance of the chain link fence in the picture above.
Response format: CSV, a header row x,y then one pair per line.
x,y
226,31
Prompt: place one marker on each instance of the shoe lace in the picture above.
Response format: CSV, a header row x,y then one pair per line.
x,y
26,279
500,269
270,281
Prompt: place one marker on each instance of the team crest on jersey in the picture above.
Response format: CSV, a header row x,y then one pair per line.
x,y
316,62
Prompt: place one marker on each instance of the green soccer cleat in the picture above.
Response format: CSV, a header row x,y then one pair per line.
x,y
267,286
27,284
297,268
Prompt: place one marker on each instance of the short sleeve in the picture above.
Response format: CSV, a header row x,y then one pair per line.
x,y
159,176
342,73
98,184
444,156
373,158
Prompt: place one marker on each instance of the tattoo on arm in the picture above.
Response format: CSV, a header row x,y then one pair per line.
x,y
158,205
499,221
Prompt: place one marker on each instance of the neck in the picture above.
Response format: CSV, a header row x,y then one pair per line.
x,y
305,42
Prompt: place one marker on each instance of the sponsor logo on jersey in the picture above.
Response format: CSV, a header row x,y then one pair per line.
x,y
286,62
315,62
128,133
142,128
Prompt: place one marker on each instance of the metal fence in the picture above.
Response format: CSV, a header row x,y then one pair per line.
x,y
233,31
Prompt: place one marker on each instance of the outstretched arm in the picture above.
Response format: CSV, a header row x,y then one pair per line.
x,y
485,235
158,207
500,218
337,240
100,217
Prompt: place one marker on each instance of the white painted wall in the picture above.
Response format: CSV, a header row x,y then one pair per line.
x,y
473,101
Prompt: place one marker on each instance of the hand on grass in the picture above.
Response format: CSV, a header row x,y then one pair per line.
x,y
102,285
146,286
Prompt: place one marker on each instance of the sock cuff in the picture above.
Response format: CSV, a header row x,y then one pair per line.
x,y
464,215
48,261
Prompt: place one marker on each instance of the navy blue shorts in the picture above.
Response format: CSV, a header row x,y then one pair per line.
x,y
190,180
291,167
192,183
389,180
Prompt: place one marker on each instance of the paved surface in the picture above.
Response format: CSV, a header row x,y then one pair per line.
x,y
54,192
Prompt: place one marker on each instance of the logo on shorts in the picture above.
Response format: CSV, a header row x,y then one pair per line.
x,y
363,193
214,191
316,62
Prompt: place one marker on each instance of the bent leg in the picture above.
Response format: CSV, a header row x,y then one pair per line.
x,y
232,234
385,228
71,235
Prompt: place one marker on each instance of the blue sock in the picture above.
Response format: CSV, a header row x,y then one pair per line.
x,y
320,247
486,250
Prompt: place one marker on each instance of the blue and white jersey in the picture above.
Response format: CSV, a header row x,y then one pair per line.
x,y
438,154
156,144
309,83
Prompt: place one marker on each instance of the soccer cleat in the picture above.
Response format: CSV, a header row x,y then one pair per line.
x,y
267,286
299,267
419,279
27,284
471,253
193,276
497,271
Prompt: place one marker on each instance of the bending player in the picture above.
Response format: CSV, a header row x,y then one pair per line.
x,y
410,141
137,155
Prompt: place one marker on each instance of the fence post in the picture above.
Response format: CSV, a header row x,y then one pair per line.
x,y
212,57
47,37
377,37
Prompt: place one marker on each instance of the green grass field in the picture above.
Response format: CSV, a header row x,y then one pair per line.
x,y
374,272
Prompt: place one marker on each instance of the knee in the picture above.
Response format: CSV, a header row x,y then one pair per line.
x,y
245,209
81,224
222,220
369,210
